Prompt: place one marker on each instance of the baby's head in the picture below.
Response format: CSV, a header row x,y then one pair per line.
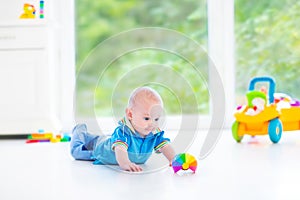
x,y
145,107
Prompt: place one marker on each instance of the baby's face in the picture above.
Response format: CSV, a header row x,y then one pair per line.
x,y
145,117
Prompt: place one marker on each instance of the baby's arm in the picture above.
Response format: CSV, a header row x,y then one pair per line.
x,y
168,152
123,160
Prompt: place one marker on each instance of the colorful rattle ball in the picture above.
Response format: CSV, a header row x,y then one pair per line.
x,y
184,161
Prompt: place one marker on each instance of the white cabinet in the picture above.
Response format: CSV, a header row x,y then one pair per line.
x,y
31,82
27,80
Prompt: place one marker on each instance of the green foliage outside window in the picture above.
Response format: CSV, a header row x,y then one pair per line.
x,y
268,43
96,21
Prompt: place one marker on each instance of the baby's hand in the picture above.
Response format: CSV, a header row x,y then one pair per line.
x,y
132,167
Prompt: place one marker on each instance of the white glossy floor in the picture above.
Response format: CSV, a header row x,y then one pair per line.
x,y
254,169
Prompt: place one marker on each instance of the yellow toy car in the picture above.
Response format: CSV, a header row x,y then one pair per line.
x,y
266,114
261,118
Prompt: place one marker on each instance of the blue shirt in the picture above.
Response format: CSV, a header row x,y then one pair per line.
x,y
139,148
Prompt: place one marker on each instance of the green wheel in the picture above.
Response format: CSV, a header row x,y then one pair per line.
x,y
234,129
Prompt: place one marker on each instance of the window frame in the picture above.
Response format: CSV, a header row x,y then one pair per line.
x,y
221,49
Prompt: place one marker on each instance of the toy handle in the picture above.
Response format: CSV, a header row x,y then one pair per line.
x,y
264,79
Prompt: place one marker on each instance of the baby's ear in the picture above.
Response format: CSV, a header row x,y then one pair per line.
x,y
129,113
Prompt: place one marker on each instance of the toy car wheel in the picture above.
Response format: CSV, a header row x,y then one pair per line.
x,y
275,130
234,129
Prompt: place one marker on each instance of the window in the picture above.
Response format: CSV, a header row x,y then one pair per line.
x,y
182,87
243,40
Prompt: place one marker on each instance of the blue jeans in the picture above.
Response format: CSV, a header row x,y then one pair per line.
x,y
82,143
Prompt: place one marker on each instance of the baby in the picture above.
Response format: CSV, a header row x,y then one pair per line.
x,y
133,141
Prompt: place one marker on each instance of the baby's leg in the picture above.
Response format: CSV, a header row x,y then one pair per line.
x,y
82,143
